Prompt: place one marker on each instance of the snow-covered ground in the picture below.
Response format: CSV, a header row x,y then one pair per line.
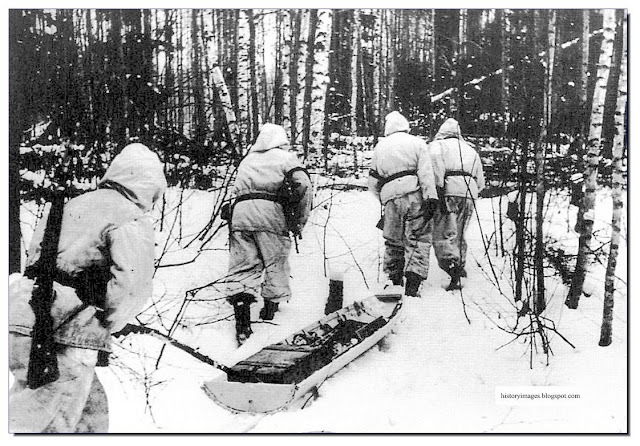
x,y
442,370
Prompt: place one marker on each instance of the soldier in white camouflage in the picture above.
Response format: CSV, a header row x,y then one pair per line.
x,y
259,240
402,179
459,178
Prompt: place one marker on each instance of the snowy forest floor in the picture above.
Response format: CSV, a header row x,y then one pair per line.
x,y
441,369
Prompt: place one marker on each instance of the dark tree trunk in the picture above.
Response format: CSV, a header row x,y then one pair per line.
x,y
118,79
198,88
18,66
147,74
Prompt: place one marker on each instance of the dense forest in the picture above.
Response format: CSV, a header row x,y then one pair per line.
x,y
193,81
542,94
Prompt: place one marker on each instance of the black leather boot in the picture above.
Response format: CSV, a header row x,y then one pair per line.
x,y
335,299
242,312
269,310
413,284
456,274
396,278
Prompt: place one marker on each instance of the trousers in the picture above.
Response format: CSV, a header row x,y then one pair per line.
x,y
407,236
449,241
259,265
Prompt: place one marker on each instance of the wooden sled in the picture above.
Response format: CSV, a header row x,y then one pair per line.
x,y
280,374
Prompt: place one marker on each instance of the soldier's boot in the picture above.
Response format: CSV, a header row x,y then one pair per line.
x,y
269,310
242,313
413,284
396,278
455,273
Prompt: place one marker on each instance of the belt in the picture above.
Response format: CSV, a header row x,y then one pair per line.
x,y
384,180
258,196
457,173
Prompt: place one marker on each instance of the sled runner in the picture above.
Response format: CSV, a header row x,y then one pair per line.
x,y
282,373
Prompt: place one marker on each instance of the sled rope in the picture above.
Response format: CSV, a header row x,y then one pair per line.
x,y
130,328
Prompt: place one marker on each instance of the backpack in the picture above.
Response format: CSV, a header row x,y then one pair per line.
x,y
289,196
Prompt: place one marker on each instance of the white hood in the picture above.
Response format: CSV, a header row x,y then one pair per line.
x,y
271,136
137,173
450,129
395,122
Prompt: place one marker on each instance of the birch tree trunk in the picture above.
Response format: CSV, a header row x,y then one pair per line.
x,y
380,68
376,51
264,86
355,36
540,303
331,89
456,64
321,72
227,106
296,24
506,62
368,70
254,114
584,72
232,25
208,51
616,196
355,55
279,84
462,32
431,45
594,147
286,34
308,82
243,78
169,75
392,37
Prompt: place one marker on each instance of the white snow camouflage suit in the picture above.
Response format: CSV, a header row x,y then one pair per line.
x,y
259,240
407,232
459,175
108,230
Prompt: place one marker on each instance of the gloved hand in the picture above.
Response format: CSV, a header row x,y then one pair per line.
x,y
225,211
429,208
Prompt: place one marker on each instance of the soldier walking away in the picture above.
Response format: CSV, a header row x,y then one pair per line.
x,y
459,178
272,199
99,277
402,179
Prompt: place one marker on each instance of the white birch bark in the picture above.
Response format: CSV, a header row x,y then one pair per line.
x,y
617,181
225,99
320,78
243,77
594,147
